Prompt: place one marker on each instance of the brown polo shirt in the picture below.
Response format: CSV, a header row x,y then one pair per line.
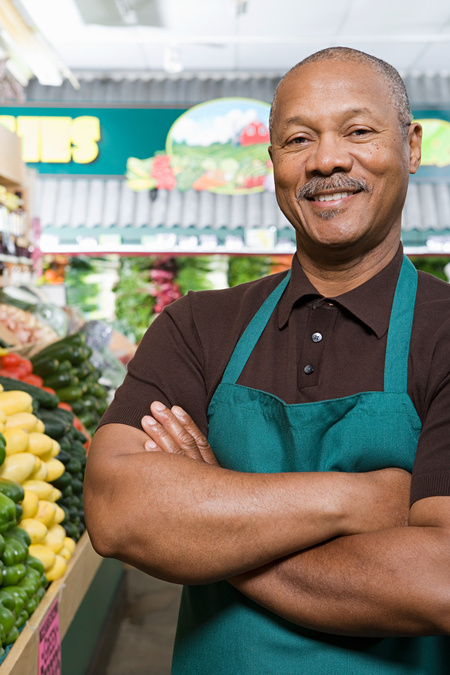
x,y
313,348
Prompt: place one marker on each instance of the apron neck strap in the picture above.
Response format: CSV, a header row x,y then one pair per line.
x,y
399,333
252,334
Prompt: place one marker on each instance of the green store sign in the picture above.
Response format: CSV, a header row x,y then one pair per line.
x,y
134,141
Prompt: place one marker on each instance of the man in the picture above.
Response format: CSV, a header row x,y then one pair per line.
x,y
293,526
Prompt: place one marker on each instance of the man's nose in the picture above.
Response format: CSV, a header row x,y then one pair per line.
x,y
327,155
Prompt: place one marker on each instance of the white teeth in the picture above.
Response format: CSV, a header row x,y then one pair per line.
x,y
332,197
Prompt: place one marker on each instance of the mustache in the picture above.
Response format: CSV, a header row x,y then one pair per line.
x,y
338,182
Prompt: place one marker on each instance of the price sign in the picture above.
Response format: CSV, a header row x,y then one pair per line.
x,y
50,643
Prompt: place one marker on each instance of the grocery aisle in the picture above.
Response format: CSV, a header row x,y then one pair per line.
x,y
147,630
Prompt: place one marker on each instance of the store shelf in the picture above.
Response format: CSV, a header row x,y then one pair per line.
x,y
11,164
70,591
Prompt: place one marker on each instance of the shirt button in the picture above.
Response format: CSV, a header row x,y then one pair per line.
x,y
316,337
315,304
308,369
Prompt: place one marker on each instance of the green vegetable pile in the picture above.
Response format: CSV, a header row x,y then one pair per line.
x,y
22,579
65,367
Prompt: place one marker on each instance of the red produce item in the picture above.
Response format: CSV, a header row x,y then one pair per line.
x,y
9,360
33,379
64,406
9,372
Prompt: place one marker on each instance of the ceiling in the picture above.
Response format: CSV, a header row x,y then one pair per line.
x,y
239,35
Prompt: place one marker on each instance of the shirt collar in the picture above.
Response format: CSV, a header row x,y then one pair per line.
x,y
371,302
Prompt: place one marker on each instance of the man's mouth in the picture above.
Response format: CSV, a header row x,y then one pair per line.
x,y
332,188
330,197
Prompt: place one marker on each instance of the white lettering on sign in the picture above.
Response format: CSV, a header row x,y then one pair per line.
x,y
56,140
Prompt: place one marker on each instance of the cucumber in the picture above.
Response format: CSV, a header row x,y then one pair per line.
x,y
69,394
80,355
64,367
77,486
55,426
75,339
83,371
72,530
85,404
64,444
57,350
61,379
44,398
77,435
63,481
64,415
46,368
73,466
64,457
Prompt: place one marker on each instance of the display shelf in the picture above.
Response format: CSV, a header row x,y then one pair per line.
x,y
11,164
70,590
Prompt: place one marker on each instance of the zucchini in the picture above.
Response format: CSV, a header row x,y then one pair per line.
x,y
74,466
63,457
46,368
77,435
61,379
72,530
83,371
88,419
77,486
97,390
55,427
64,415
57,350
85,404
74,339
64,367
44,398
80,355
69,394
63,481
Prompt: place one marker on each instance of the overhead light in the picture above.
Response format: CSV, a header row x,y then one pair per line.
x,y
21,37
120,12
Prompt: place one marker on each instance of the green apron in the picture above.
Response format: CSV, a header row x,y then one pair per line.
x,y
221,632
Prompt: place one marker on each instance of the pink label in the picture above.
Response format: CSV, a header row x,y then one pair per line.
x,y
50,643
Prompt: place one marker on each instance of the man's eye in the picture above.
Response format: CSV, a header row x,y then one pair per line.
x,y
298,140
360,132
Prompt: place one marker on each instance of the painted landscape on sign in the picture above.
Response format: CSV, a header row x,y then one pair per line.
x,y
220,146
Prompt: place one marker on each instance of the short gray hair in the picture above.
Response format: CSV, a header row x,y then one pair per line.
x,y
390,74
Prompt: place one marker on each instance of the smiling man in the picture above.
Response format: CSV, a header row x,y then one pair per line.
x,y
294,472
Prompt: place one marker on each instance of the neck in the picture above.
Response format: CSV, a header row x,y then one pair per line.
x,y
333,278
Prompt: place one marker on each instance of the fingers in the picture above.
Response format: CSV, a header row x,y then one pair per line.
x,y
200,440
166,433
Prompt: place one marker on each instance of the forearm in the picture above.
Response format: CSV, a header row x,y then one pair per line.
x,y
191,522
390,582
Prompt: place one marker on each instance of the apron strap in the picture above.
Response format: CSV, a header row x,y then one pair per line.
x,y
252,333
399,333
398,340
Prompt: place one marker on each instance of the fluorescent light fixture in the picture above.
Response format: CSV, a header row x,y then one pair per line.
x,y
21,37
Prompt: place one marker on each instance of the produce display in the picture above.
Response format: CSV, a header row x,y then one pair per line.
x,y
43,445
66,369
26,326
23,575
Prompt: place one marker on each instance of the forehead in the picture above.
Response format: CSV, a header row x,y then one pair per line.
x,y
333,87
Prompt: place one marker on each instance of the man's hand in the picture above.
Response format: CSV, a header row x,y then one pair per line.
x,y
174,431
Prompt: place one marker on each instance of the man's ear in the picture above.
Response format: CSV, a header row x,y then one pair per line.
x,y
415,146
270,152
